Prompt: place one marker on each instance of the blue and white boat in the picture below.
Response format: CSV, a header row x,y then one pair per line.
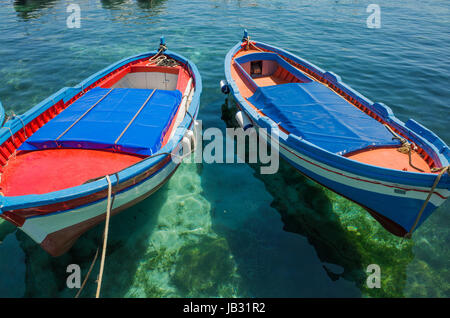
x,y
338,137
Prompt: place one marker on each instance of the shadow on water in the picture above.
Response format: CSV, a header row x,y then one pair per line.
x,y
307,208
142,4
112,4
149,4
29,9
5,229
138,10
127,245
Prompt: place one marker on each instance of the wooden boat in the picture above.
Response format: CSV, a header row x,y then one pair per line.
x,y
124,122
339,138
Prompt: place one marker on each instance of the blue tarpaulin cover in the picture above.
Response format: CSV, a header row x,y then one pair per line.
x,y
103,124
320,116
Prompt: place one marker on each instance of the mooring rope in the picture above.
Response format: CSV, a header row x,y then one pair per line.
x,y
436,182
105,237
110,202
154,56
405,148
163,60
88,273
251,43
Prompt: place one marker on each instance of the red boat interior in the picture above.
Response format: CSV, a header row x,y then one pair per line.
x,y
45,170
252,76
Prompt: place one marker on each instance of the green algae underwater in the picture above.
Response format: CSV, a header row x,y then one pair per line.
x,y
226,230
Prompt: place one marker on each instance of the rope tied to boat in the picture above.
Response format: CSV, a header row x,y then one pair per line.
x,y
88,273
441,171
405,148
247,47
110,203
105,236
163,60
13,115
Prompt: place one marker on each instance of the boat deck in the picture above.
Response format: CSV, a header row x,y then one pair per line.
x,y
269,80
392,159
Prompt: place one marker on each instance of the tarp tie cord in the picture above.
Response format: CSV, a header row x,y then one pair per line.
x,y
13,115
192,117
436,182
84,114
12,136
405,148
13,139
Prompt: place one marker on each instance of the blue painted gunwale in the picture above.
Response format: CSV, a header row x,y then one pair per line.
x,y
423,137
2,114
15,124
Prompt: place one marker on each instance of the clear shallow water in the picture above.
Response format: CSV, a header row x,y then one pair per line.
x,y
226,230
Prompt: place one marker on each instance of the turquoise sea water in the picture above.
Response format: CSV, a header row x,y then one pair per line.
x,y
225,230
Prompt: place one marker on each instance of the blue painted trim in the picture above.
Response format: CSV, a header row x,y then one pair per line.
x,y
2,114
27,201
247,76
